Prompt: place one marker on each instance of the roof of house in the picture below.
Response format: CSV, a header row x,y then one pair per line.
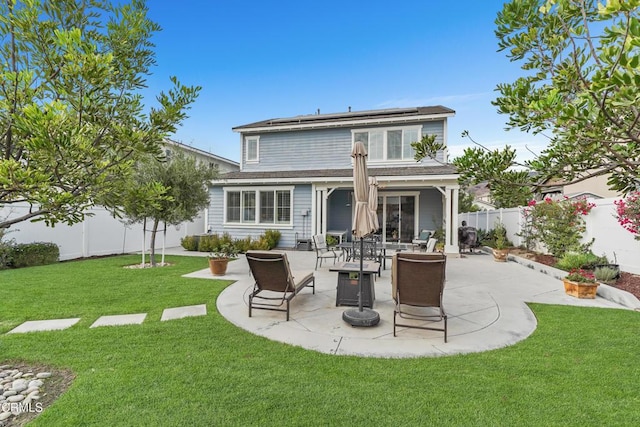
x,y
202,152
411,171
349,118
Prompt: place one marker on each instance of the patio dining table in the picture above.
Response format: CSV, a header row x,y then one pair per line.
x,y
387,248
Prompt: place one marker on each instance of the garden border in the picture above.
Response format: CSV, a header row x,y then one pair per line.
x,y
610,293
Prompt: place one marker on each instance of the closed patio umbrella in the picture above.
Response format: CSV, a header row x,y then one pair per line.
x,y
364,223
373,200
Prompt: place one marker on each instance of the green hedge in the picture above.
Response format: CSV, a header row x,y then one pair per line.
x,y
190,243
31,254
212,242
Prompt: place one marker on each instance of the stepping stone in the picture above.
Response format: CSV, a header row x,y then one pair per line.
x,y
121,319
44,325
186,311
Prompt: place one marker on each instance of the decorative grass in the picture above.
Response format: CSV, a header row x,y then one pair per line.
x,y
580,367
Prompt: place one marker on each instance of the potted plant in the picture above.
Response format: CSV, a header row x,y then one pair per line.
x,y
219,258
580,284
500,247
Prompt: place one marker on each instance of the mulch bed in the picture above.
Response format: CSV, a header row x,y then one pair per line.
x,y
627,282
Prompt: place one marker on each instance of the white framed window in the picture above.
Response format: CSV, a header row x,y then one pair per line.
x,y
252,149
258,206
388,144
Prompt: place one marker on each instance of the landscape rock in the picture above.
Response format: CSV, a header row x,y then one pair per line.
x,y
30,390
19,385
35,383
16,398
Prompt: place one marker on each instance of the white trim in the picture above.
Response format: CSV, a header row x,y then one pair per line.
x,y
418,179
385,144
257,226
256,223
416,209
445,137
246,149
337,124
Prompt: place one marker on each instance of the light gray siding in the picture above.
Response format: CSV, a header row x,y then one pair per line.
x,y
317,149
330,148
301,225
437,129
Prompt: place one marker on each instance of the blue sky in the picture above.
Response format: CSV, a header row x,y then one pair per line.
x,y
263,59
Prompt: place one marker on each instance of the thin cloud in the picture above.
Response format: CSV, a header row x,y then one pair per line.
x,y
434,100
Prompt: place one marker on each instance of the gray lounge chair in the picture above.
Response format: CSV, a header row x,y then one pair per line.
x,y
275,283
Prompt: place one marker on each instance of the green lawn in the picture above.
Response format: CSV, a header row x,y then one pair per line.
x,y
580,367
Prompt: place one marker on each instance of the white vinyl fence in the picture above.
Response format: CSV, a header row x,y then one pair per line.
x,y
100,234
610,238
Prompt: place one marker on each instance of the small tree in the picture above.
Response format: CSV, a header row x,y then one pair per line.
x,y
509,186
170,191
465,202
581,86
72,121
559,225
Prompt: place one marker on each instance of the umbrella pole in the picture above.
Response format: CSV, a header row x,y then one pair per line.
x,y
361,316
360,275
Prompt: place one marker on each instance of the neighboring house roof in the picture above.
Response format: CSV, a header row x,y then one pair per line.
x,y
391,115
202,152
320,174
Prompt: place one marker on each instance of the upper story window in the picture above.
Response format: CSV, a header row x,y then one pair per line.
x,y
390,144
251,148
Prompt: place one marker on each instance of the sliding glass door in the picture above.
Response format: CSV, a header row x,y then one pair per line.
x,y
397,215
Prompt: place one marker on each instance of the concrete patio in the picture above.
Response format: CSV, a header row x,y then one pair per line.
x,y
485,302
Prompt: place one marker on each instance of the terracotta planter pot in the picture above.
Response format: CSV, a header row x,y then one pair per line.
x,y
218,266
580,290
500,255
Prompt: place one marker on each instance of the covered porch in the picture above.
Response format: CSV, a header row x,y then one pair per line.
x,y
404,207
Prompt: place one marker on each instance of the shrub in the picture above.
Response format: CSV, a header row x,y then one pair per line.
x,y
189,243
6,250
208,243
243,245
500,233
439,235
272,238
495,237
557,224
262,244
628,213
606,274
32,254
580,276
214,242
575,260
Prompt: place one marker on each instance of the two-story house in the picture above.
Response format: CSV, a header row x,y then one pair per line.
x,y
296,176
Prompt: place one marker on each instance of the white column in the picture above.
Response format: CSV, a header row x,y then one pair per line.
x,y
451,221
325,197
